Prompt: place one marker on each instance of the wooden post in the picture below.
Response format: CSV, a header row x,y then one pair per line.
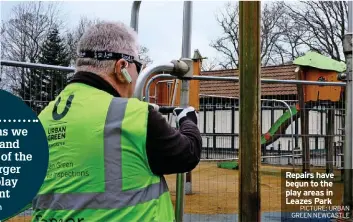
x,y
305,140
250,88
329,140
304,125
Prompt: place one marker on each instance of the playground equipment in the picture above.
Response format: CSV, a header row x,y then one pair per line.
x,y
316,67
279,127
311,67
167,92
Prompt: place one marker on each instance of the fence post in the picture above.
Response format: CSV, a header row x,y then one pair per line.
x,y
233,127
207,147
296,133
183,187
250,147
329,140
289,142
316,143
214,126
204,116
304,119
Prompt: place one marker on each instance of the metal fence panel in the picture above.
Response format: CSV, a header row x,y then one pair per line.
x,y
216,189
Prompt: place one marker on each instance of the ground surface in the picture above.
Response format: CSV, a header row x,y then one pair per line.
x,y
215,191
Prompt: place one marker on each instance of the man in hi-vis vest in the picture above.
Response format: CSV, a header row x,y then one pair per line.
x,y
108,152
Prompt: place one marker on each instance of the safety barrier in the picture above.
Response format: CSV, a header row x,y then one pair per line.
x,y
35,84
297,132
310,134
271,110
218,123
298,138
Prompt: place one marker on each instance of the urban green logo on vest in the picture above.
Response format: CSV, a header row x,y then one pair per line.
x,y
56,115
56,133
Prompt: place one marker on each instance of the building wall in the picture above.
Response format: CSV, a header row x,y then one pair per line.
x,y
317,126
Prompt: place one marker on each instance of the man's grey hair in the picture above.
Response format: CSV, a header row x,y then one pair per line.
x,y
106,36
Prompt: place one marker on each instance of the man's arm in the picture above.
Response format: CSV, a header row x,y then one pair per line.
x,y
169,150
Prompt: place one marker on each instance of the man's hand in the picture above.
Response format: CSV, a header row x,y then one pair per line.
x,y
186,113
155,106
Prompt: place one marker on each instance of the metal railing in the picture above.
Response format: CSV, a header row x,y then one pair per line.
x,y
178,68
182,70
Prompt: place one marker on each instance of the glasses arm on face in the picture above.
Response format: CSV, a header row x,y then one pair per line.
x,y
139,66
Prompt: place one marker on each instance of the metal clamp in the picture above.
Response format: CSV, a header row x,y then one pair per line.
x,y
189,63
181,68
342,76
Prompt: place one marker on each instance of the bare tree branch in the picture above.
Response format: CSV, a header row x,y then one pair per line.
x,y
144,57
210,65
74,35
22,36
325,24
271,32
228,43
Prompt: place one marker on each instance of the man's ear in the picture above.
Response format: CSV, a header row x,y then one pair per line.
x,y
119,65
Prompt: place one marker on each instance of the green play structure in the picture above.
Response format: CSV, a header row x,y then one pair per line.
x,y
280,126
273,134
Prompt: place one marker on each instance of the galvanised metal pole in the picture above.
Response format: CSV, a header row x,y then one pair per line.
x,y
250,106
347,48
184,102
218,78
185,85
134,21
35,66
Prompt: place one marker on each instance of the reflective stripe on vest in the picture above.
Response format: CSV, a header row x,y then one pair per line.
x,y
113,175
